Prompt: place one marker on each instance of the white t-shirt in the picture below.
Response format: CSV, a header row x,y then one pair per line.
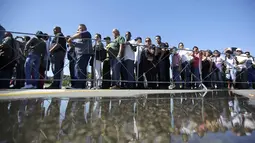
x,y
185,55
230,62
242,58
138,53
129,53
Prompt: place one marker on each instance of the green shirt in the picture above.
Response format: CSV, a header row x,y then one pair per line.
x,y
115,46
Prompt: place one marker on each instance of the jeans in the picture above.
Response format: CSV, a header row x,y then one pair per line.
x,y
32,65
129,73
115,67
251,77
57,60
5,77
196,76
81,69
186,74
217,77
176,76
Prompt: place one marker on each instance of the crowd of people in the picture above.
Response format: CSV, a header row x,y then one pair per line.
x,y
119,63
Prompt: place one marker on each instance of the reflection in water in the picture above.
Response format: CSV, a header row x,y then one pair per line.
x,y
220,116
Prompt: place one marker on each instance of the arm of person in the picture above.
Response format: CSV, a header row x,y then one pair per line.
x,y
121,42
28,44
56,45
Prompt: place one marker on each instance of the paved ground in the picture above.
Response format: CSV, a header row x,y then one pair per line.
x,y
35,93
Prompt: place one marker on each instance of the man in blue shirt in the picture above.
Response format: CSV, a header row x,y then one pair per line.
x,y
83,51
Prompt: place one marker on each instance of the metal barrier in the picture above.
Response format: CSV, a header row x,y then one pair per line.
x,y
21,58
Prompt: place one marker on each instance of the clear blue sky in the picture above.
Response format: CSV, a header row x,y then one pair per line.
x,y
208,24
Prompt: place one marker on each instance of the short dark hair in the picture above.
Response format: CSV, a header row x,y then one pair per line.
x,y
99,35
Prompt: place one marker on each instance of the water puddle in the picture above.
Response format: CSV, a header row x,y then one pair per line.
x,y
220,117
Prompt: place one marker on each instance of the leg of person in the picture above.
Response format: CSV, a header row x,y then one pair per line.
x,y
80,69
106,74
42,76
98,73
72,72
37,63
197,77
129,64
115,67
28,71
245,79
187,73
176,77
250,77
5,75
58,65
220,79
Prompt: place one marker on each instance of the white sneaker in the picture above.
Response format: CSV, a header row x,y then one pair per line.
x,y
28,86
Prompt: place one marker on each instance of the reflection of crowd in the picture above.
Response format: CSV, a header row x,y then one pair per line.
x,y
120,63
116,120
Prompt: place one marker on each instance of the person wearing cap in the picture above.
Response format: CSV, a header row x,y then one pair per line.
x,y
106,84
83,51
163,66
250,64
35,49
242,73
218,69
186,61
138,64
230,63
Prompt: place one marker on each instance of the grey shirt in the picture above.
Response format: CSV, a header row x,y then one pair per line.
x,y
84,45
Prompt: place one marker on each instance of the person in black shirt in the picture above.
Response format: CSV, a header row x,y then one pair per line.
x,y
58,52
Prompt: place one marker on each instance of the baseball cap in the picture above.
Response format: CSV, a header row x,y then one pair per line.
x,y
137,38
238,49
107,38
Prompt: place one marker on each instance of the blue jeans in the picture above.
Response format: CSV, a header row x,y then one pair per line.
x,y
5,77
251,77
217,76
32,65
176,76
81,65
129,72
115,67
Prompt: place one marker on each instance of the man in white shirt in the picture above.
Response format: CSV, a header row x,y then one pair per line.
x,y
185,74
129,58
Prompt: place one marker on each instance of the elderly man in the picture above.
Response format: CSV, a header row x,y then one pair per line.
x,y
83,52
58,52
116,53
